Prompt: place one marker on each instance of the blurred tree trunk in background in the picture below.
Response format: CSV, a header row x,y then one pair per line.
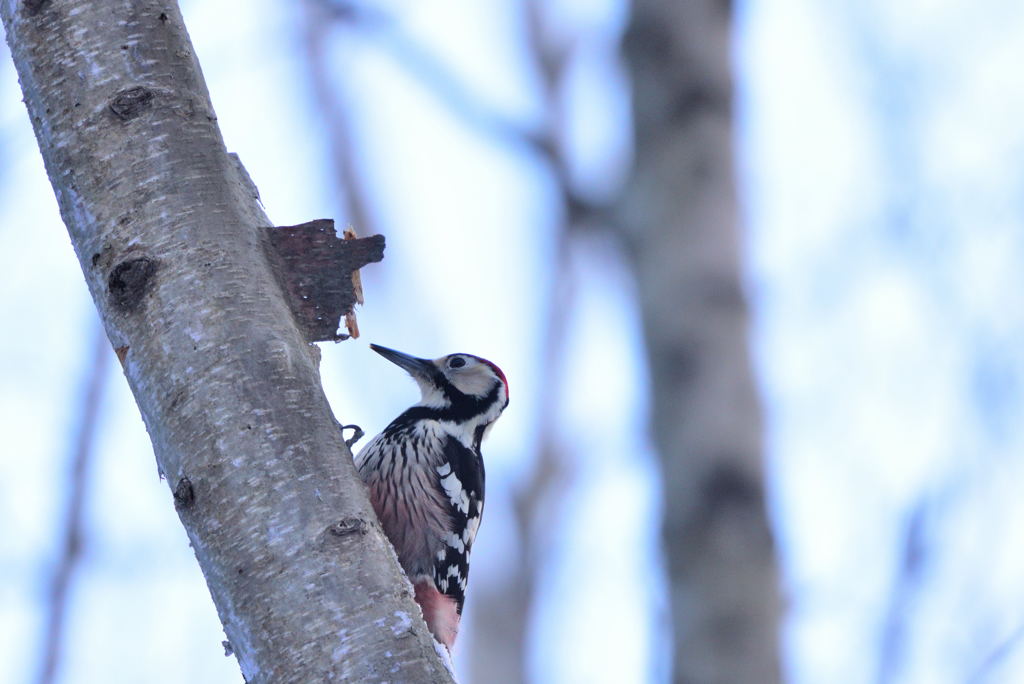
x,y
679,221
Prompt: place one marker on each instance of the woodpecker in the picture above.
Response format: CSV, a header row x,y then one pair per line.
x,y
426,477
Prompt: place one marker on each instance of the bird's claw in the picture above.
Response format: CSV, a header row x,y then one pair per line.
x,y
357,434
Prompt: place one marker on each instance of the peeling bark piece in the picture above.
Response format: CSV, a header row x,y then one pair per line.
x,y
357,282
351,324
318,271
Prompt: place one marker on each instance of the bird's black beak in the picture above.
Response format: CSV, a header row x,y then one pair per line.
x,y
422,368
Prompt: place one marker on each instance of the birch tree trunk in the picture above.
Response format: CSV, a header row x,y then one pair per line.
x,y
170,240
679,214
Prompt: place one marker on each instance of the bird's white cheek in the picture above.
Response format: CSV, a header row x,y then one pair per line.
x,y
472,384
432,397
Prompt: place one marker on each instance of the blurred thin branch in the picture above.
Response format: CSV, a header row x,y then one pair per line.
x,y
553,471
550,61
912,562
436,78
502,612
998,654
83,440
318,16
503,635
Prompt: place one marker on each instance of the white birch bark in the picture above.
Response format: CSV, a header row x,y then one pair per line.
x,y
170,242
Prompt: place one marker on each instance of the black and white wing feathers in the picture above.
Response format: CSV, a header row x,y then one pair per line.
x,y
461,476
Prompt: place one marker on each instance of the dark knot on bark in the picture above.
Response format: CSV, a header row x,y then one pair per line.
x,y
184,494
129,281
348,526
131,102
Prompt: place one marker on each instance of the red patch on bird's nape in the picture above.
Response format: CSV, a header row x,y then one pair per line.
x,y
497,372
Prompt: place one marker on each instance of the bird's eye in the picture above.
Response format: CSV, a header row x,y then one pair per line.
x,y
456,362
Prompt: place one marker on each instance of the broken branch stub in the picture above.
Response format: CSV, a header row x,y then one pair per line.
x,y
319,273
